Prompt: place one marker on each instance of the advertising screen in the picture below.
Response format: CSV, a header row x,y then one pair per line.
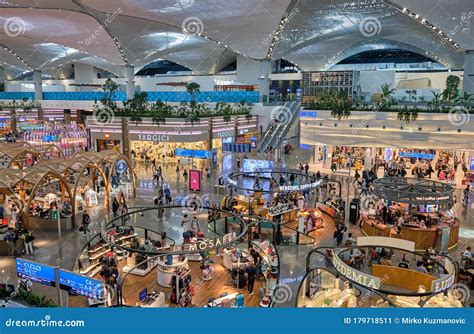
x,y
81,285
35,272
194,180
201,154
472,164
251,165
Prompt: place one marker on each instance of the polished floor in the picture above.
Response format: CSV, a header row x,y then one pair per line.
x,y
292,258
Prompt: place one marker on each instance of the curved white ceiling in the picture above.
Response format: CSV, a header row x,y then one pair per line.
x,y
109,34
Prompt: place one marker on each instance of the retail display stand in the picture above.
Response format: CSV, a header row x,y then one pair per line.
x,y
270,268
168,270
231,300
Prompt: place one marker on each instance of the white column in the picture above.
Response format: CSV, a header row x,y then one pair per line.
x,y
264,80
368,159
38,81
130,81
468,82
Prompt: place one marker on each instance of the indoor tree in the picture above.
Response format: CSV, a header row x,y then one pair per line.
x,y
386,100
340,105
465,100
436,102
452,86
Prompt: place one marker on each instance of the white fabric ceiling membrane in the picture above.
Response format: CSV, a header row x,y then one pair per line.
x,y
319,31
51,33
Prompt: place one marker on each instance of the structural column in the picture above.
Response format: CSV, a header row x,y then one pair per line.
x,y
130,81
125,138
264,80
67,116
468,82
38,81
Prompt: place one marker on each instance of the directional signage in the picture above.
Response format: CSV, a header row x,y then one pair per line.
x,y
81,285
35,272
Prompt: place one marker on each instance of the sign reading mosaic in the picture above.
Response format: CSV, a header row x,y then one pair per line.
x,y
206,244
355,275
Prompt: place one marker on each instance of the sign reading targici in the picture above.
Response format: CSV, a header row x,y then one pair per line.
x,y
153,137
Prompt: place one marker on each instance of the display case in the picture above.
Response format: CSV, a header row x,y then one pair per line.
x,y
169,266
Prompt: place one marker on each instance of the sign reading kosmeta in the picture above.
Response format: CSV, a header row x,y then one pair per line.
x,y
355,275
205,244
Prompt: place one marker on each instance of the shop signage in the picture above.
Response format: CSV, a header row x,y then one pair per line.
x,y
305,146
81,285
355,275
432,198
35,272
206,244
195,180
153,138
214,156
308,114
301,187
107,135
388,154
224,134
417,155
471,164
232,182
253,142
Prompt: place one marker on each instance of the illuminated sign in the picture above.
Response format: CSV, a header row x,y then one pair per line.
x,y
35,272
309,114
224,134
417,155
195,180
106,135
301,187
471,164
81,285
444,283
153,138
203,245
355,275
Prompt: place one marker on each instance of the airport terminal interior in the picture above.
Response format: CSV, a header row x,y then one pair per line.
x,y
229,154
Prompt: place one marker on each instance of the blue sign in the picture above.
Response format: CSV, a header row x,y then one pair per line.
x,y
214,156
236,148
121,166
35,272
417,155
298,92
309,114
472,164
187,153
253,142
305,146
81,285
201,154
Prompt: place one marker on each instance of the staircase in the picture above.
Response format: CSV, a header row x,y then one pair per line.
x,y
282,119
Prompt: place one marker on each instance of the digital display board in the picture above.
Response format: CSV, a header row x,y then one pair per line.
x,y
202,154
35,272
251,165
236,148
81,285
471,164
195,180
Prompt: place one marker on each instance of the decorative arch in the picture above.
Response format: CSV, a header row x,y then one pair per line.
x,y
38,184
104,177
130,171
34,153
7,191
48,147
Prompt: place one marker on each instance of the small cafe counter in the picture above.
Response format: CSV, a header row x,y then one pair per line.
x,y
423,238
402,278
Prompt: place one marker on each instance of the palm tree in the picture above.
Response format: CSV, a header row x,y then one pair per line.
x,y
435,103
451,91
465,100
387,99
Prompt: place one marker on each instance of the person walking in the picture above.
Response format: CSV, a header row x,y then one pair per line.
x,y
251,273
115,207
178,174
28,240
86,220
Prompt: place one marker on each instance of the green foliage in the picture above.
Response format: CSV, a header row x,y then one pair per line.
x,y
193,89
387,97
408,115
451,91
24,104
435,104
109,88
465,100
32,299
